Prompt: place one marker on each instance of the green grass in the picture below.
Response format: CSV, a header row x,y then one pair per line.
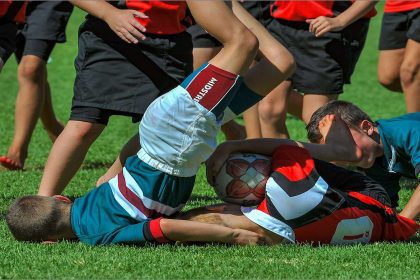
x,y
75,260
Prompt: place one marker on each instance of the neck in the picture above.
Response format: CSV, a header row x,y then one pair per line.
x,y
379,146
65,228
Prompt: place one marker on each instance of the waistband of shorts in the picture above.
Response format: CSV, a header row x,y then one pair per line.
x,y
301,25
164,167
101,29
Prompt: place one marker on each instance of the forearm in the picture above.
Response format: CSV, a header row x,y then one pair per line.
x,y
263,146
266,146
97,8
181,230
412,209
356,11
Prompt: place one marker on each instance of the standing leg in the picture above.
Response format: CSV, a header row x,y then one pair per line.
x,y
67,155
410,76
311,102
32,77
51,124
389,69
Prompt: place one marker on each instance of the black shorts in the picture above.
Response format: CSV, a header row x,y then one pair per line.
x,y
100,116
258,9
47,20
125,78
397,28
7,40
324,64
37,47
45,26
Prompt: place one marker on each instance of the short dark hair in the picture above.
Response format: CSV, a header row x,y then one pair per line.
x,y
349,113
34,218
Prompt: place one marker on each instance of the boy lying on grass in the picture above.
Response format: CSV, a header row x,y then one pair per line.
x,y
307,200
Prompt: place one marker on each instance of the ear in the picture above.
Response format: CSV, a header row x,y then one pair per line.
x,y
62,198
367,127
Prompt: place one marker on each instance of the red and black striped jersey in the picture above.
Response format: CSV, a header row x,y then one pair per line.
x,y
13,11
164,17
302,10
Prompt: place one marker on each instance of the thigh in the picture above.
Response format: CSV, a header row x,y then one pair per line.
x,y
203,55
312,102
202,39
389,63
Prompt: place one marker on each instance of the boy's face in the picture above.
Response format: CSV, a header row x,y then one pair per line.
x,y
369,146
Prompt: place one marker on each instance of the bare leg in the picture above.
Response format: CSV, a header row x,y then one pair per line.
x,y
228,215
67,155
311,102
410,76
239,44
294,102
273,111
32,79
52,125
129,149
389,69
252,122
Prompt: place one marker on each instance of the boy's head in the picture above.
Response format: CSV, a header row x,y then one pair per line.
x,y
361,126
38,218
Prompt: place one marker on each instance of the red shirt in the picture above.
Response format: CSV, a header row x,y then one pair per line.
x,y
302,10
395,6
165,17
18,16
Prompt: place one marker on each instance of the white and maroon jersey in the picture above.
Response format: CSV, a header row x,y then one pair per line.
x,y
326,204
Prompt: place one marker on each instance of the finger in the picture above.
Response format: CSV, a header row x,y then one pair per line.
x,y
129,37
133,31
316,25
121,35
139,14
322,31
309,20
137,25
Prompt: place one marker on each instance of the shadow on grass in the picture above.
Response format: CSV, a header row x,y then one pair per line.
x,y
89,165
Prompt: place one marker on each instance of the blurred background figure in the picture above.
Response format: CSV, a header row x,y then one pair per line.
x,y
399,56
44,27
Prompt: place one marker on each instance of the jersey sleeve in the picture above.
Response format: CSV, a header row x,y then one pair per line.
x,y
139,233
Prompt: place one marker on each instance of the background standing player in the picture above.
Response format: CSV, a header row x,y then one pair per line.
x,y
45,26
399,56
11,14
326,39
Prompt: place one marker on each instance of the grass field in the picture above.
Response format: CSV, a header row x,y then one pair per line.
x,y
74,260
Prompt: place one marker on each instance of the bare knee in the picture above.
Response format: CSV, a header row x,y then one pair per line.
x,y
409,72
31,68
82,131
244,40
282,59
272,111
390,81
